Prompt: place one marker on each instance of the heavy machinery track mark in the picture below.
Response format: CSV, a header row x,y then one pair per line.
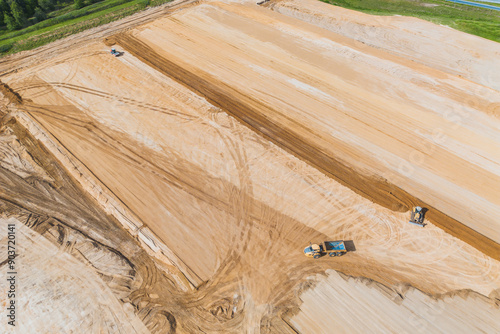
x,y
252,113
109,96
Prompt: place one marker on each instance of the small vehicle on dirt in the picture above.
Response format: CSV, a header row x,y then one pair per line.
x,y
332,248
417,216
115,53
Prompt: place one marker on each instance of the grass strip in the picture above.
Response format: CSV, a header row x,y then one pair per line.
x,y
473,20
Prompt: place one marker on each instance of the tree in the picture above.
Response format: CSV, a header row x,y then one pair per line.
x,y
10,22
79,4
4,8
18,13
46,5
30,7
39,14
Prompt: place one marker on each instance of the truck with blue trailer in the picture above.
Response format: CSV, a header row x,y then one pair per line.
x,y
332,248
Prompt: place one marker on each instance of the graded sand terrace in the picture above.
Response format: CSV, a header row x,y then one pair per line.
x,y
230,135
381,117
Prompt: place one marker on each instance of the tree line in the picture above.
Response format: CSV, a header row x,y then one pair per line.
x,y
17,14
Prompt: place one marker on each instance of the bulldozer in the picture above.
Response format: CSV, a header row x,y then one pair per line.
x,y
417,216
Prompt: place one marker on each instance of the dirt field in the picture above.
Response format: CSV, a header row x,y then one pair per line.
x,y
230,135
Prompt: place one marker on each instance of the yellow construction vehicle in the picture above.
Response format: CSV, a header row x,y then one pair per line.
x,y
417,216
332,248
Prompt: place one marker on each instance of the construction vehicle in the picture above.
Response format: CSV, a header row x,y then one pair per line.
x,y
417,216
114,52
332,248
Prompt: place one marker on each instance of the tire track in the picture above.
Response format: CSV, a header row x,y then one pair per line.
x,y
108,96
294,138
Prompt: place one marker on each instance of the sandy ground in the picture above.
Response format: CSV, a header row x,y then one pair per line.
x,y
46,273
229,136
364,307
78,270
341,111
467,56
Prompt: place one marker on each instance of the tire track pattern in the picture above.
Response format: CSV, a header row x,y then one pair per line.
x,y
252,113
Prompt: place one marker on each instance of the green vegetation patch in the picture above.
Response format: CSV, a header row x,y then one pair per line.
x,y
60,20
473,20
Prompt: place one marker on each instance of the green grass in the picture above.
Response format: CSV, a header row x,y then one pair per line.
x,y
70,23
473,20
63,17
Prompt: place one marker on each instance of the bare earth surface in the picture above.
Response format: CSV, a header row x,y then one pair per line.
x,y
225,139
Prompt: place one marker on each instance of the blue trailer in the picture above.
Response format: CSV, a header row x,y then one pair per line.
x,y
332,248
